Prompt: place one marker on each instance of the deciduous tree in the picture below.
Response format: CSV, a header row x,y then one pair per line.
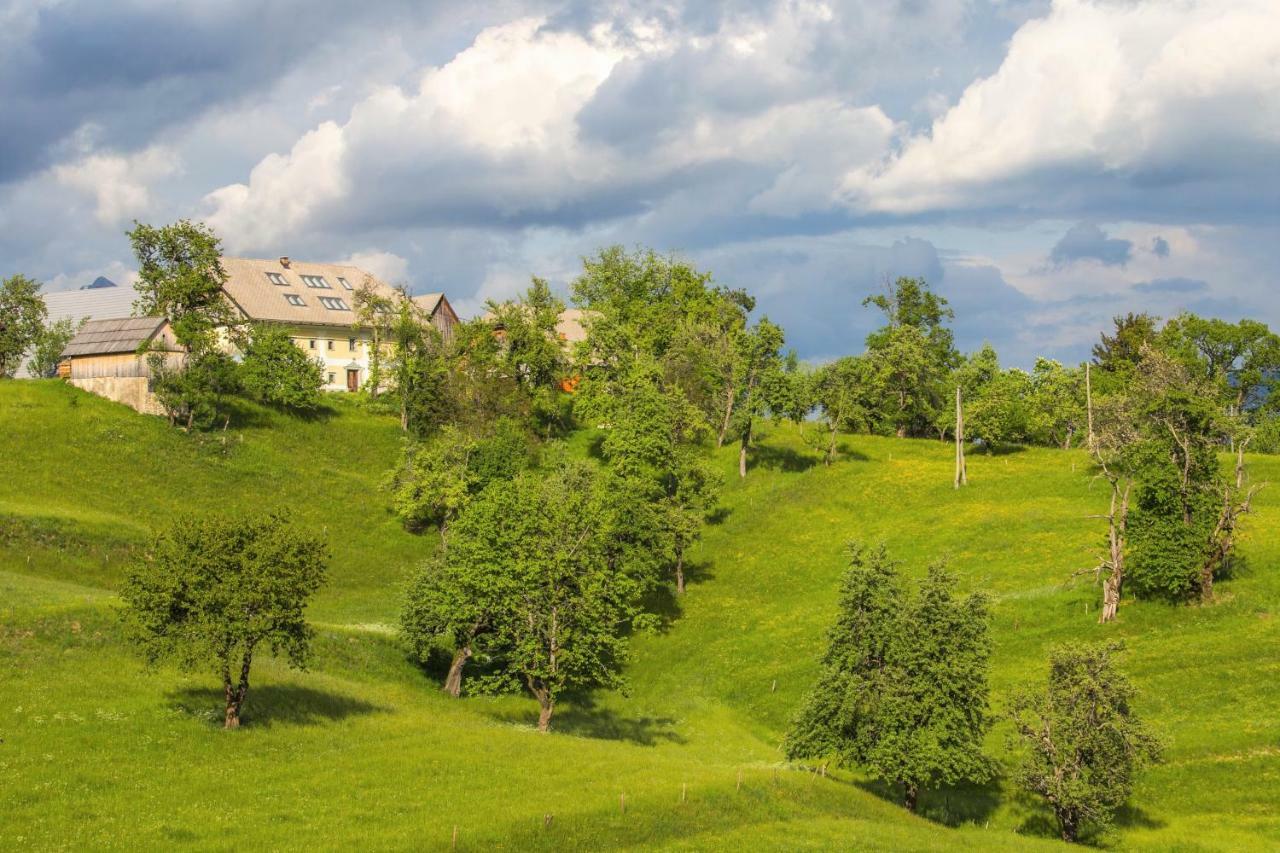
x,y
22,314
1083,741
211,592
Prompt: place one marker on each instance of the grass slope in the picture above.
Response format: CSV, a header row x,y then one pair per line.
x,y
96,752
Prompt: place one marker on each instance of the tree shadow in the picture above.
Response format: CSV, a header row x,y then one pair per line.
x,y
273,704
580,715
949,806
782,459
719,515
665,603
846,453
997,448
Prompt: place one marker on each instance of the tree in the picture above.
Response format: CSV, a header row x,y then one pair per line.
x,y
768,384
840,391
181,277
50,344
277,372
997,412
194,393
373,311
211,591
455,601
1084,743
22,313
1056,408
903,686
419,370
1118,355
540,564
438,477
531,352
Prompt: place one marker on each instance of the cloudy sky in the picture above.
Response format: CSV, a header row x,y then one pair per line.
x,y
1045,164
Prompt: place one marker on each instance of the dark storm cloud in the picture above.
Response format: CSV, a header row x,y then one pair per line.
x,y
135,68
1087,240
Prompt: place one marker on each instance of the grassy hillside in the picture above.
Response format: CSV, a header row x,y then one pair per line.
x,y
95,751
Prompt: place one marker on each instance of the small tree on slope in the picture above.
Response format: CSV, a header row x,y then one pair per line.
x,y
903,688
1084,742
211,592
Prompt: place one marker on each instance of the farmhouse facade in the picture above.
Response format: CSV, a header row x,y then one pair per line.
x,y
315,303
103,358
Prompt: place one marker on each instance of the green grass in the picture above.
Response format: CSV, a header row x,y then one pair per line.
x,y
364,750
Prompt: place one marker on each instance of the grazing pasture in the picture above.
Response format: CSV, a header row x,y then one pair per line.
x,y
365,749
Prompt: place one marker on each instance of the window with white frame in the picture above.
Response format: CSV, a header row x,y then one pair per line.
x,y
346,285
334,303
276,278
328,344
351,344
316,281
294,299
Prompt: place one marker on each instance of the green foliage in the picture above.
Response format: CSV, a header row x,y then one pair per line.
x,y
22,313
998,412
277,372
540,566
1083,741
1056,407
180,276
903,688
52,341
1117,355
212,590
841,392
195,392
438,477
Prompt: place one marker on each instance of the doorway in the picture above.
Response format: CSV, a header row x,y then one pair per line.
x,y
353,380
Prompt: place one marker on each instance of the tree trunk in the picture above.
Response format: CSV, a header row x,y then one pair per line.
x,y
453,681
546,706
234,694
1068,824
962,475
910,795
1113,586
1088,403
728,414
742,453
831,447
680,572
901,432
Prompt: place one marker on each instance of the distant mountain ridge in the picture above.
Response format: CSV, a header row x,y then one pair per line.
x,y
99,282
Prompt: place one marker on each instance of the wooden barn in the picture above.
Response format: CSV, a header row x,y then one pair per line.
x,y
103,359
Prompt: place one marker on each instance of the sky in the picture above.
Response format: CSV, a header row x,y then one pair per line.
x,y
1043,164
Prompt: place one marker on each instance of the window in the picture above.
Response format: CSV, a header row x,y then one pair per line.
x,y
294,299
312,344
351,345
346,285
334,303
332,378
315,281
330,346
276,278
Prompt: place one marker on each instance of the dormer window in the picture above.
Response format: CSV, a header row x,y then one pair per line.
x,y
346,285
276,278
334,303
294,299
316,281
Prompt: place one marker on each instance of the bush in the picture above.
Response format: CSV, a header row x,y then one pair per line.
x,y
276,372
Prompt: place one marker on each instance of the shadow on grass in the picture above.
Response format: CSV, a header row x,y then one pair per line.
x,y
996,448
781,459
951,806
665,603
846,453
581,716
719,515
1042,823
274,704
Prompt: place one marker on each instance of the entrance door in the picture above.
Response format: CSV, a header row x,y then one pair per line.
x,y
353,380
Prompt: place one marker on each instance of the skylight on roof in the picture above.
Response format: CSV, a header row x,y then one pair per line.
x,y
346,284
334,303
294,299
316,281
276,278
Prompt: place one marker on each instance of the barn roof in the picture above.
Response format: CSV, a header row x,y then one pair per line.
x,y
103,337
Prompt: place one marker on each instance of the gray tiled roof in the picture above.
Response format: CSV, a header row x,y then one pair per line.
x,y
122,335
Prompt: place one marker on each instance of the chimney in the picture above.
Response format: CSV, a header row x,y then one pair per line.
x,y
284,261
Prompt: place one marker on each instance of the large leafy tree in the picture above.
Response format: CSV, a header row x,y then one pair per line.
x,y
769,385
1083,742
211,592
276,371
842,393
532,354
539,567
181,277
903,687
1056,406
22,314
1117,355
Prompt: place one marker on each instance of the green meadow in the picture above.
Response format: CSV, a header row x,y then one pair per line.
x,y
363,750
